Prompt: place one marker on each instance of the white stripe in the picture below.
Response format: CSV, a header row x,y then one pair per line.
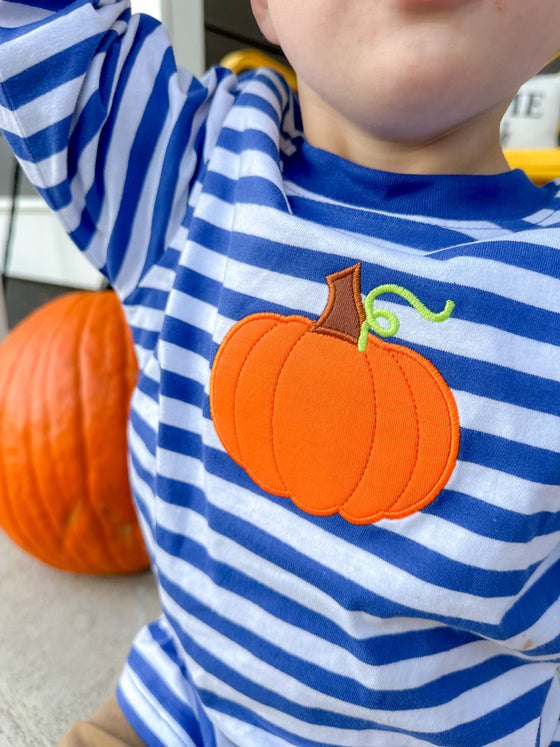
x,y
192,311
472,228
435,533
504,280
145,317
357,624
456,336
504,491
51,39
184,362
148,711
508,421
295,640
476,702
140,450
357,565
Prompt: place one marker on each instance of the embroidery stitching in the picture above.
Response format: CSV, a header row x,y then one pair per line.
x,y
322,402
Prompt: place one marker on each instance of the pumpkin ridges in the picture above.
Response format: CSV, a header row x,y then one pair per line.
x,y
17,530
224,376
49,387
36,400
254,407
47,492
384,367
87,454
73,478
39,376
95,404
114,358
429,454
341,400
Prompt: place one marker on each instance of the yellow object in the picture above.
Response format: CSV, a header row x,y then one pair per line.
x,y
540,165
249,59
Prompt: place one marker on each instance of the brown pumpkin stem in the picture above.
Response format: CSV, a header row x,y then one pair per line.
x,y
344,313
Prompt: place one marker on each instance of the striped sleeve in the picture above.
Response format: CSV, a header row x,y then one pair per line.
x,y
105,125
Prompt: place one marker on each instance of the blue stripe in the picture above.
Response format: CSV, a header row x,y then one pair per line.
x,y
53,5
49,74
246,189
252,101
56,197
94,113
144,338
146,297
142,150
178,142
373,651
476,733
527,462
182,389
492,521
177,708
236,142
493,724
94,199
42,144
205,726
149,387
530,607
63,7
401,552
146,434
138,723
186,335
411,233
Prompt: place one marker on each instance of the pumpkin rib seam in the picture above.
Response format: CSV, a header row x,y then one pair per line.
x,y
411,509
19,527
434,491
53,457
92,509
236,388
72,550
341,506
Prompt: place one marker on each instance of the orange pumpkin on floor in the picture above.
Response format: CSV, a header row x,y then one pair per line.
x,y
66,377
331,416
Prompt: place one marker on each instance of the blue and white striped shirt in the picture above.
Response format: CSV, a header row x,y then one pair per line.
x,y
285,622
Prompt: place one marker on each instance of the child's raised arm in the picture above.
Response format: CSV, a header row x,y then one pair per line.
x,y
105,126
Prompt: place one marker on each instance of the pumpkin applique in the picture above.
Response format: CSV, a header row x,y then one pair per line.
x,y
332,416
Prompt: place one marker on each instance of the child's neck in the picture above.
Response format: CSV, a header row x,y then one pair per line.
x,y
471,147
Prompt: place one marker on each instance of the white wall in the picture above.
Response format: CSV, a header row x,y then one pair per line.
x,y
153,7
185,21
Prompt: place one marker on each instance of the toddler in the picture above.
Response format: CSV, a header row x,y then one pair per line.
x,y
345,439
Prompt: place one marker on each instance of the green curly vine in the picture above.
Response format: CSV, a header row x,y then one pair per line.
x,y
372,315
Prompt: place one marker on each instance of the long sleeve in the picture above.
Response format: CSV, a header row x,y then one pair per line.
x,y
106,127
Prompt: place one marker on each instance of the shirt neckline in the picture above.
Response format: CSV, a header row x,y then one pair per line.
x,y
497,197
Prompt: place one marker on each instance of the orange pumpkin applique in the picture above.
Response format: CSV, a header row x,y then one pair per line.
x,y
331,416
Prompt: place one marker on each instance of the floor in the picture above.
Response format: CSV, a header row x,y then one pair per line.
x,y
63,641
